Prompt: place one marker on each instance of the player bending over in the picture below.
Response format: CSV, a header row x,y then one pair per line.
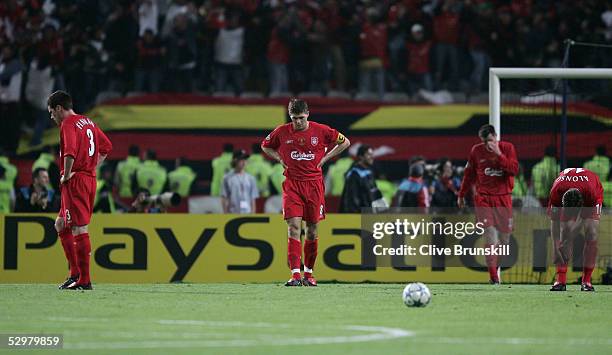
x,y
491,167
83,147
302,148
575,204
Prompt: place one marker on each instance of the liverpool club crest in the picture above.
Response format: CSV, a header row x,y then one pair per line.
x,y
314,140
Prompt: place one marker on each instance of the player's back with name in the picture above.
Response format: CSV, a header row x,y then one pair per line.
x,y
582,179
82,139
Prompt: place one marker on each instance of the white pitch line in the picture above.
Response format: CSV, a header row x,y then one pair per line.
x,y
375,334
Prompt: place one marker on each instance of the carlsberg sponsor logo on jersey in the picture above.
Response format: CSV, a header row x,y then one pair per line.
x,y
295,155
493,172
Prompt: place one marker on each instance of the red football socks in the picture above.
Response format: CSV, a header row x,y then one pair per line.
x,y
562,274
491,261
294,256
83,251
67,240
310,255
589,254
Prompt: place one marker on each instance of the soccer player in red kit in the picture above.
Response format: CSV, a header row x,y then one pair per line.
x,y
491,167
302,147
83,147
575,202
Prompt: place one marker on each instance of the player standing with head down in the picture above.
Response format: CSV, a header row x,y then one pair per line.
x,y
491,167
83,147
302,147
575,202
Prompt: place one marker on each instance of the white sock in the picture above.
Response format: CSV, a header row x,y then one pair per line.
x,y
306,269
293,271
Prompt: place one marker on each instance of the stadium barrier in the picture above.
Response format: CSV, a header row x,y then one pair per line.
x,y
226,248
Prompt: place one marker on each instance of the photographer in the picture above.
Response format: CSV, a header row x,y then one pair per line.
x,y
36,197
445,187
360,189
147,203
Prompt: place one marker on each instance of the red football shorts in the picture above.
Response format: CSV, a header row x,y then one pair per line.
x,y
304,199
494,210
78,196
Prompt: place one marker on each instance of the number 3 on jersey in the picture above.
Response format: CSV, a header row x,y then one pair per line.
x,y
92,145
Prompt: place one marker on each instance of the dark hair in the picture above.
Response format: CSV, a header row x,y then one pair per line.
x,y
151,155
601,150
572,198
60,98
550,151
441,162
297,106
485,130
416,158
36,172
228,148
256,148
134,150
362,150
416,170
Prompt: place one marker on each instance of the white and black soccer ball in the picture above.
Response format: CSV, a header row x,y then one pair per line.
x,y
416,295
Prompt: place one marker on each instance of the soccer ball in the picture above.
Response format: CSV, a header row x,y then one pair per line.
x,y
416,295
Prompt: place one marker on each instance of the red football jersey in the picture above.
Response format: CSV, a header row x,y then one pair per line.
x,y
577,178
81,139
302,151
492,174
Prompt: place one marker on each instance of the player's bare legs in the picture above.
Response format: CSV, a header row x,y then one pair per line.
x,y
589,253
563,239
294,250
83,253
67,240
311,245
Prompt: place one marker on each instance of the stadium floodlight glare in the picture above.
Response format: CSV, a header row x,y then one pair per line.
x,y
495,74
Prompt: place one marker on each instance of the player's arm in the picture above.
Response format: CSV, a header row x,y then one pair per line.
x,y
270,145
274,155
508,160
101,159
469,176
342,143
68,162
69,149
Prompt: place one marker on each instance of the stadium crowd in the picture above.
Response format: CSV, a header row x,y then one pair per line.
x,y
240,178
274,46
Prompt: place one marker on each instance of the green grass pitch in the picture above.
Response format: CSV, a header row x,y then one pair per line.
x,y
331,319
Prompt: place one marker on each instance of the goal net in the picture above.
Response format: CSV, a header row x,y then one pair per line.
x,y
565,114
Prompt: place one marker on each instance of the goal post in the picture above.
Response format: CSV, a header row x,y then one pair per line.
x,y
495,74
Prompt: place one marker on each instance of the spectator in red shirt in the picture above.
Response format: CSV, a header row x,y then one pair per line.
x,y
418,50
446,29
373,41
149,66
475,33
278,56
